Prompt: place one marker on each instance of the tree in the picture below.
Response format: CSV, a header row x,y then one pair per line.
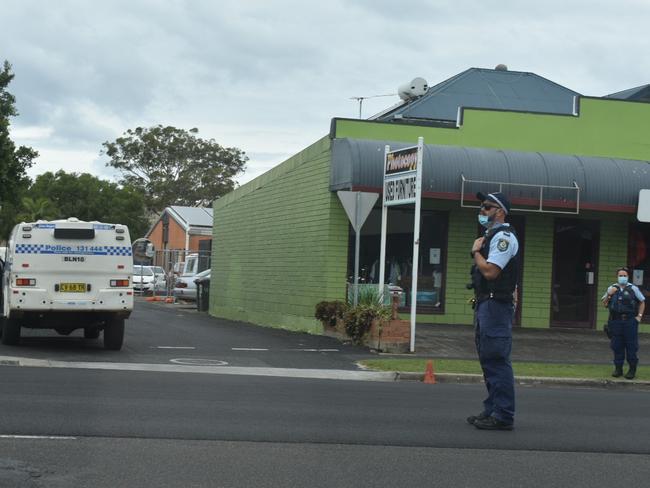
x,y
37,209
13,161
89,198
174,167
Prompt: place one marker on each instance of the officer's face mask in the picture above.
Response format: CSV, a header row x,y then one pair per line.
x,y
622,280
486,220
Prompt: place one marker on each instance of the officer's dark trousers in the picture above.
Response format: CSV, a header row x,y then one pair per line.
x,y
624,341
494,345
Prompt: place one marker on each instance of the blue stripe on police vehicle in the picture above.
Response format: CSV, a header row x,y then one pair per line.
x,y
83,250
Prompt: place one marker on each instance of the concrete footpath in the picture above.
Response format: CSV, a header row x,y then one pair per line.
x,y
537,345
574,346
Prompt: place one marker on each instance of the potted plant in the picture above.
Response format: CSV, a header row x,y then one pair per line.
x,y
330,315
365,321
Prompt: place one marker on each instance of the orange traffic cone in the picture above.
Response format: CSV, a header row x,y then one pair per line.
x,y
429,375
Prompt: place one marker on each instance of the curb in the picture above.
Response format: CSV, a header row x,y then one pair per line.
x,y
329,374
529,380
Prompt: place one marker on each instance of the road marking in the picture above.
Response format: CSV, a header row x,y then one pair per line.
x,y
294,350
198,362
172,347
329,374
52,437
313,350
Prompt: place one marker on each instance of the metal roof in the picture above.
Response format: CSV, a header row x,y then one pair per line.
x,y
487,88
192,216
605,183
637,94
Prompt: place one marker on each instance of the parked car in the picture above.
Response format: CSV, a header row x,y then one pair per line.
x,y
144,279
191,266
178,268
185,287
161,278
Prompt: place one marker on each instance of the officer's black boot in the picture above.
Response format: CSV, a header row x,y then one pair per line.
x,y
618,371
631,373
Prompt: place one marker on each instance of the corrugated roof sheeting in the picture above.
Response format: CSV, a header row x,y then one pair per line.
x,y
194,215
605,181
491,89
639,93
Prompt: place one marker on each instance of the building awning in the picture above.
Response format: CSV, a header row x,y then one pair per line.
x,y
604,184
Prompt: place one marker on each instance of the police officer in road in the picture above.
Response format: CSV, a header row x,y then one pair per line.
x,y
626,305
494,279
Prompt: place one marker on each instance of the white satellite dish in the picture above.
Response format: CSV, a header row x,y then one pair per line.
x,y
415,88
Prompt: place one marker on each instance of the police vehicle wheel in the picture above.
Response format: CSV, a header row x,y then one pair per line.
x,y
10,332
114,334
91,333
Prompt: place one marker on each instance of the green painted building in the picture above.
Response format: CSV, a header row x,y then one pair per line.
x,y
282,242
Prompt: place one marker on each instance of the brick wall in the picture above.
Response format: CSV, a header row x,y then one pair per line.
x,y
280,245
613,255
538,266
194,242
176,239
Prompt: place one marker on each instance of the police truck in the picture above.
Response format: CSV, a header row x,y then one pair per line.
x,y
67,275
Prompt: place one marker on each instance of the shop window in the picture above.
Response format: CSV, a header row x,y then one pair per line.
x,y
639,260
399,254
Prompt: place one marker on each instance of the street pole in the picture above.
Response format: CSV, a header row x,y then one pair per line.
x,y
416,242
357,246
384,231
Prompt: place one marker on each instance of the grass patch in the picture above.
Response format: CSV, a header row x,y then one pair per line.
x,y
462,366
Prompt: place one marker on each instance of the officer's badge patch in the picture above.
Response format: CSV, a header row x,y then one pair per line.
x,y
502,245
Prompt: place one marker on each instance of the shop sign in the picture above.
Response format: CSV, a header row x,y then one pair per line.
x,y
403,185
399,191
400,176
402,161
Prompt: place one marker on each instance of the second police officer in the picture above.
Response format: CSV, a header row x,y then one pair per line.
x,y
626,306
494,279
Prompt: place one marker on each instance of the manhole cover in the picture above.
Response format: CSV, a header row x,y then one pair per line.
x,y
199,362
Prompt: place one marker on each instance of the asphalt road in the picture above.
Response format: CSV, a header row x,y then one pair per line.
x,y
158,333
172,429
62,427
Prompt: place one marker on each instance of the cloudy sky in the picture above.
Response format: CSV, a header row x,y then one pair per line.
x,y
268,76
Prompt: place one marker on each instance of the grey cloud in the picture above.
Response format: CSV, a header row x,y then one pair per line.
x,y
290,66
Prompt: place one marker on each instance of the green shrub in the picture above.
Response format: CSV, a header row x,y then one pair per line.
x,y
368,296
328,312
359,319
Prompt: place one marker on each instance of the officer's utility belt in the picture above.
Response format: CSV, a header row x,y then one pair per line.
x,y
501,297
621,316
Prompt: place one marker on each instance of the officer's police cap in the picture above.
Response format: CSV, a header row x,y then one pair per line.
x,y
497,197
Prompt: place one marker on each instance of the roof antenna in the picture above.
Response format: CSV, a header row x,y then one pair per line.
x,y
361,99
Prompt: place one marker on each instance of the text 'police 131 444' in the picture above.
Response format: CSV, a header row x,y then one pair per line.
x,y
400,190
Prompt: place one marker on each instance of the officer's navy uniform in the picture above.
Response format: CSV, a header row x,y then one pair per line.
x,y
623,326
494,313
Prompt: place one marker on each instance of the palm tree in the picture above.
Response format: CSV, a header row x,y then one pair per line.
x,y
40,209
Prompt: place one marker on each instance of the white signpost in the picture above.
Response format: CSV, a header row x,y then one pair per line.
x,y
403,185
357,206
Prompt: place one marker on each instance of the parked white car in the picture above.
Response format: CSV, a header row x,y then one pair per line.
x,y
161,278
144,279
185,287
